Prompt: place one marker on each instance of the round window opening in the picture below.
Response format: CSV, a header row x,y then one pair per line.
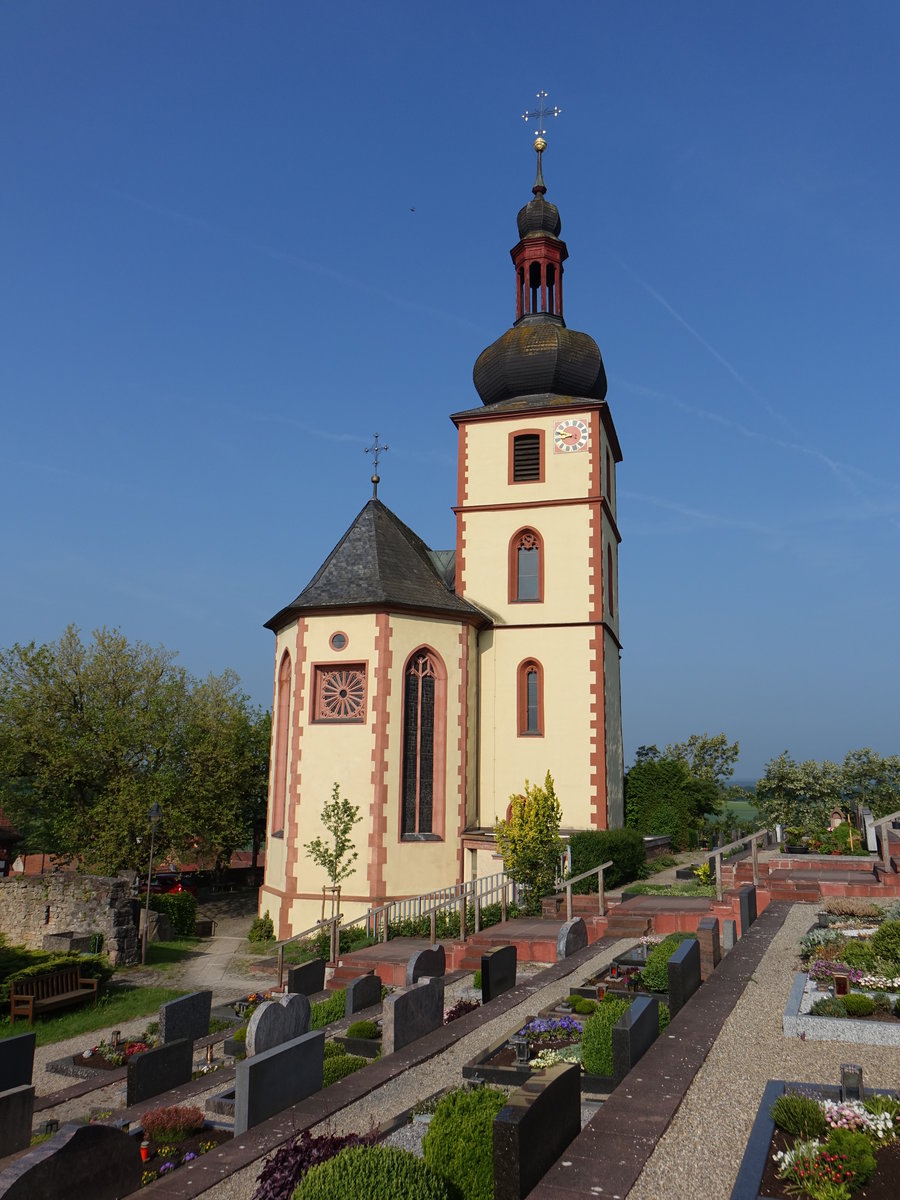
x,y
338,641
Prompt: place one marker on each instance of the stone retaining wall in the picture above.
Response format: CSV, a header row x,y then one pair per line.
x,y
36,905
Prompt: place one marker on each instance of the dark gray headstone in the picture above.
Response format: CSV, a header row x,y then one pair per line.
x,y
410,1013
277,1021
16,1060
573,936
498,972
633,1034
268,1083
158,1070
362,993
729,934
747,900
431,962
308,979
186,1017
80,1160
684,974
533,1129
16,1112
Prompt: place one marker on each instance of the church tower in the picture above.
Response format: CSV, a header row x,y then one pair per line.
x,y
537,548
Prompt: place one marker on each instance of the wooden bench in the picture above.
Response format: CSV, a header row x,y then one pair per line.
x,y
43,993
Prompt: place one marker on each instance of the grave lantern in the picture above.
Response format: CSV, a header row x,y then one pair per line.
x,y
519,1043
841,983
851,1082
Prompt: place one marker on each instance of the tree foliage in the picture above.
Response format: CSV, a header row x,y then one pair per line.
x,y
92,735
338,816
706,757
663,797
803,795
529,841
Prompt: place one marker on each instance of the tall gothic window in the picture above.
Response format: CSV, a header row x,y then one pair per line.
x,y
526,567
530,696
424,742
282,737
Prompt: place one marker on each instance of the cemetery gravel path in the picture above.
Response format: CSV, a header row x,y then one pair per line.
x,y
702,1149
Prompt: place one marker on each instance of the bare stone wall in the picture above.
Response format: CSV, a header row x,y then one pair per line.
x,y
34,906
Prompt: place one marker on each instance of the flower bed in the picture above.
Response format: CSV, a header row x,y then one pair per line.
x,y
164,1158
806,1142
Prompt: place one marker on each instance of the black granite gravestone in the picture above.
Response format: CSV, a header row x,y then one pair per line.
x,y
572,936
498,972
308,979
431,962
186,1017
158,1070
362,993
80,1160
534,1128
270,1082
16,1060
684,974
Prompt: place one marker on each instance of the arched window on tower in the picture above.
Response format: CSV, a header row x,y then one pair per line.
x,y
526,567
282,739
609,579
551,289
534,284
520,302
424,744
530,698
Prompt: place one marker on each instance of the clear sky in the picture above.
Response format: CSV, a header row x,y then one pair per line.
x,y
238,238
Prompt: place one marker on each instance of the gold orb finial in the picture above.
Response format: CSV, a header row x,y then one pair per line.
x,y
540,145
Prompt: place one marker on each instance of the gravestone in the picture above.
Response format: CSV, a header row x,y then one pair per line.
x,y
747,901
498,972
16,1112
729,934
16,1060
684,974
533,1129
308,979
410,1013
572,936
186,1017
158,1070
270,1082
79,1160
871,837
633,1034
362,993
277,1021
431,962
710,950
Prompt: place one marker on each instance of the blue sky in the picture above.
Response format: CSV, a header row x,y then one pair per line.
x,y
215,289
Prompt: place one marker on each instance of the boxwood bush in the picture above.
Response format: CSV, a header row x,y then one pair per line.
x,y
592,847
858,1006
655,975
287,1166
339,1066
459,1145
367,1172
363,1029
596,1041
323,1012
886,941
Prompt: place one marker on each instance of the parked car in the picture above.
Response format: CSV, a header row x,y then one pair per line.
x,y
170,883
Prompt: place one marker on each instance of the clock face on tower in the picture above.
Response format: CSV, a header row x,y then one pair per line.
x,y
570,436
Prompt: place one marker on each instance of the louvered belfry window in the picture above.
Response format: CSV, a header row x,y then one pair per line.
x,y
526,457
418,745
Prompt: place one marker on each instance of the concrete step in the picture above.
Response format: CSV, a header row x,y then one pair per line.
x,y
346,974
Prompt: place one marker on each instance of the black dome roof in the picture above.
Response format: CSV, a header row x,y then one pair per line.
x,y
539,354
539,216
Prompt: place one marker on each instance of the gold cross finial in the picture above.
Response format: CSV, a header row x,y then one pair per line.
x,y
375,451
540,114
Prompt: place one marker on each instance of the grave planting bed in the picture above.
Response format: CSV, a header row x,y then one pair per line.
x,y
758,1177
499,1063
165,1158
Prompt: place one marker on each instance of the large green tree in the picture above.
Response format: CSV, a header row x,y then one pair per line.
x,y
529,841
706,756
92,735
663,797
803,795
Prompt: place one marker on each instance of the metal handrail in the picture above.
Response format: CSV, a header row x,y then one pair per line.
x,y
332,921
882,825
754,852
598,871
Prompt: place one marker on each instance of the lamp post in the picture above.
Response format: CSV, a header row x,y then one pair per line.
x,y
155,816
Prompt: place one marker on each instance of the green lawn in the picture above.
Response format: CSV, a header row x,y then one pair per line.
x,y
163,955
743,813
117,1006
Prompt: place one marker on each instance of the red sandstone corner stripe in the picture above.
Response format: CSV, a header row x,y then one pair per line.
x,y
292,824
463,709
381,735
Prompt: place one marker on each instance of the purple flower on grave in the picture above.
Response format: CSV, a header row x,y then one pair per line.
x,y
167,1166
189,1157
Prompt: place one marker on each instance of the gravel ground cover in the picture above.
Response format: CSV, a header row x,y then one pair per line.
x,y
703,1147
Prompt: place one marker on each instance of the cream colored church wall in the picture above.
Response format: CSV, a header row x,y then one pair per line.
x,y
565,532
508,759
566,475
615,755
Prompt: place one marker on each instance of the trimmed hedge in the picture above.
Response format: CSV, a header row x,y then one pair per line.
x,y
459,1144
655,975
595,846
180,908
339,1066
370,1172
323,1012
596,1041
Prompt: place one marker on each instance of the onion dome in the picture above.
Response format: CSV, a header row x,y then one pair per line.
x,y
539,354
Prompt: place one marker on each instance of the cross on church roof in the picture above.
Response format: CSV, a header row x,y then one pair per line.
x,y
375,451
540,113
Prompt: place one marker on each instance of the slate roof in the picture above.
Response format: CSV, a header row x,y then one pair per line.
x,y
381,563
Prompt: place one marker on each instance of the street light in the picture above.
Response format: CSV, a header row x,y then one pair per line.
x,y
155,816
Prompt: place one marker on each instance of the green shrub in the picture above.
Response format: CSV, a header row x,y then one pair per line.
x,y
367,1172
363,1029
324,1012
459,1145
886,941
883,1104
882,1003
590,848
582,1005
655,975
240,1035
665,1017
180,908
858,1006
333,1049
897,1008
262,929
476,979
798,1115
338,1066
856,1149
857,952
596,1041
828,1006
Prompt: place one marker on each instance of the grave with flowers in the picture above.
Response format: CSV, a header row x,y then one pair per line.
x,y
176,1136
